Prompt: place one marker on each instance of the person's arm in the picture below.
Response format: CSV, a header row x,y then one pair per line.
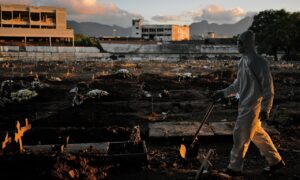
x,y
265,80
232,89
235,86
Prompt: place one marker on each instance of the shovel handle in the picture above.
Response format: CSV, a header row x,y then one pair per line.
x,y
208,112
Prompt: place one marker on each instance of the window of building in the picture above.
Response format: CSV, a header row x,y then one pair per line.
x,y
21,16
16,15
6,15
48,27
21,26
24,16
48,17
35,16
35,27
7,25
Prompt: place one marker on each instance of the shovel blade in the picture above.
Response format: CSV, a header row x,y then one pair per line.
x,y
182,151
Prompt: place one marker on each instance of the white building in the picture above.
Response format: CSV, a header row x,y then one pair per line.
x,y
160,32
136,31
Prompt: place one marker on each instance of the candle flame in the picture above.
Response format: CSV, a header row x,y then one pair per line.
x,y
6,141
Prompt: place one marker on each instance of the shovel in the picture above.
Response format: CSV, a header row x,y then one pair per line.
x,y
188,150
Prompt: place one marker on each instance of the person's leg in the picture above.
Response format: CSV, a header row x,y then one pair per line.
x,y
242,135
265,145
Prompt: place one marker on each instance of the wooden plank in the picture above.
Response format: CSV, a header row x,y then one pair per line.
x,y
96,148
178,129
188,128
222,128
38,149
206,164
99,148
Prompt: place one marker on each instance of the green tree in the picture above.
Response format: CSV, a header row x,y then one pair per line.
x,y
292,37
82,40
269,27
277,30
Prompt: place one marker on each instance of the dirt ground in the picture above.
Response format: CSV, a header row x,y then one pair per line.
x,y
112,118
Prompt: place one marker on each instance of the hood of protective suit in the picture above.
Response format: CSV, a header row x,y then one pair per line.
x,y
248,39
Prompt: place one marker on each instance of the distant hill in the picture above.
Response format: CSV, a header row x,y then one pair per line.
x,y
223,29
93,29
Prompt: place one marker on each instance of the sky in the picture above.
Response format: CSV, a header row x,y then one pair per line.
x,y
121,12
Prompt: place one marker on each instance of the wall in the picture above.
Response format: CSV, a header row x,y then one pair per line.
x,y
53,49
136,52
40,53
61,19
168,48
180,33
50,56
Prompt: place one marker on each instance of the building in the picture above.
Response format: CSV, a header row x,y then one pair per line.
x,y
29,25
211,35
136,31
160,32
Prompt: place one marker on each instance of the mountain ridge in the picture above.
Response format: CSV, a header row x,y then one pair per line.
x,y
94,29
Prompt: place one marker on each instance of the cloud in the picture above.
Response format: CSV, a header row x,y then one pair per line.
x,y
211,13
96,11
217,14
87,7
164,19
88,10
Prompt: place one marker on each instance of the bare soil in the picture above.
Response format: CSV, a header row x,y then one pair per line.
x,y
112,118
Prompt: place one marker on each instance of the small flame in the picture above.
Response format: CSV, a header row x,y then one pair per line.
x,y
182,151
20,132
6,141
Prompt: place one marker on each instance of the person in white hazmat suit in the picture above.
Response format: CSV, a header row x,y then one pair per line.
x,y
254,84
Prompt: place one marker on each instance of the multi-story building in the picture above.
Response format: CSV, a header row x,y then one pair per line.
x,y
160,32
34,25
136,31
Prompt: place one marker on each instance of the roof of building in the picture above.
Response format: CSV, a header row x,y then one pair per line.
x,y
24,6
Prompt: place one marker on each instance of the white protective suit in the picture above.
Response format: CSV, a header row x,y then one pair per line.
x,y
254,84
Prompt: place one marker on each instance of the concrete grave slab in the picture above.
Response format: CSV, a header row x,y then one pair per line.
x,y
222,128
178,129
188,129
